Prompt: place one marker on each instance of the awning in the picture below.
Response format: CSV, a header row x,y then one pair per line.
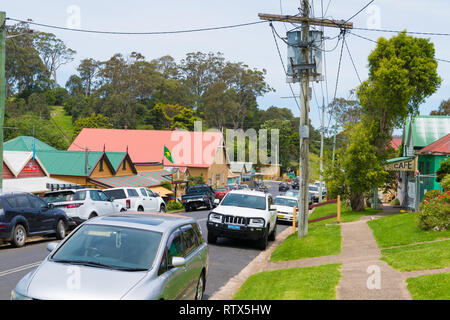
x,y
33,185
400,164
163,192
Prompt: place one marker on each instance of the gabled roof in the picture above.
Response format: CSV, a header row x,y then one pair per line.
x,y
16,161
73,163
25,143
192,149
241,167
441,146
424,130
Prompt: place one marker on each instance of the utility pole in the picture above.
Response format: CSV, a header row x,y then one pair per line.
x,y
304,74
2,88
321,149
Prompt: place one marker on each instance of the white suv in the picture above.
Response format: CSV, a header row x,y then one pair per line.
x,y
137,199
244,214
83,204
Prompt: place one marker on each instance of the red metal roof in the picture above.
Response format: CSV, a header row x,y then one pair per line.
x,y
191,149
441,146
396,142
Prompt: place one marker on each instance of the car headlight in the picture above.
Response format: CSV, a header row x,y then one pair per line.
x,y
215,217
17,296
256,223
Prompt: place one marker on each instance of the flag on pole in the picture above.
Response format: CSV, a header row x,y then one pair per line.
x,y
167,154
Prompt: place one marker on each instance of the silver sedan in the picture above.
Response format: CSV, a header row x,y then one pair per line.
x,y
123,256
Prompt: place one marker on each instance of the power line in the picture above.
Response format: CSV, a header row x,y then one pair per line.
x,y
359,11
353,63
137,33
407,32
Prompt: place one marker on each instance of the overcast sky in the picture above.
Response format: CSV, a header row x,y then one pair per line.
x,y
253,45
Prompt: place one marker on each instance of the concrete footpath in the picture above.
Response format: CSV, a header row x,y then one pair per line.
x,y
364,275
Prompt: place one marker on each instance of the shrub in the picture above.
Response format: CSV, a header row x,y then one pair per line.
x,y
395,202
174,205
432,194
445,182
434,214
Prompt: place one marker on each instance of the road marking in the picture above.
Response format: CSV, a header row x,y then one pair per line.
x,y
20,268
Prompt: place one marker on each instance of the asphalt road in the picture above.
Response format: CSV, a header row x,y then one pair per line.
x,y
227,257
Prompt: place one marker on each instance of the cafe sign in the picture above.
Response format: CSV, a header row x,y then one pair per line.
x,y
408,164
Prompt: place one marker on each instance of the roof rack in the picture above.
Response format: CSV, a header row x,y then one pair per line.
x,y
64,186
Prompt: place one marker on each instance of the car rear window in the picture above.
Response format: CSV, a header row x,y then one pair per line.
x,y
132,193
116,194
58,196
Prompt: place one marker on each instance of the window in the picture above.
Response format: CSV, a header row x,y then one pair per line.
x,y
94,195
101,165
428,172
132,193
245,201
36,202
116,194
12,202
103,197
149,192
143,192
198,233
22,201
79,195
190,237
176,246
124,164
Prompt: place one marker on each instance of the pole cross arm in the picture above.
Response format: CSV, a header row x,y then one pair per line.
x,y
312,21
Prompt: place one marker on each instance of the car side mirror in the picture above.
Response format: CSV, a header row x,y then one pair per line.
x,y
178,262
52,246
49,206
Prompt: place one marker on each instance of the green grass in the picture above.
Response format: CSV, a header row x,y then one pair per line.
x,y
347,215
322,240
430,287
402,229
312,283
424,256
62,120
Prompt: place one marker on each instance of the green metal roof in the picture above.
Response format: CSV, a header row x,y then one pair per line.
x,y
427,129
25,143
398,159
72,163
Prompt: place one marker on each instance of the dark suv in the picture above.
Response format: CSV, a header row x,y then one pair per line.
x,y
25,215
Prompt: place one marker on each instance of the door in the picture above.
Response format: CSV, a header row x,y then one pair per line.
x,y
108,205
44,215
24,208
135,199
100,206
193,257
153,200
176,279
146,200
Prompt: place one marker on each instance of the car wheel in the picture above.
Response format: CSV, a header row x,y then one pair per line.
x,y
200,287
92,215
140,209
19,236
263,242
162,208
273,234
60,230
212,238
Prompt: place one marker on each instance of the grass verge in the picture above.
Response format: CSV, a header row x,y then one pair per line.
x,y
322,240
402,229
311,283
347,215
424,256
430,287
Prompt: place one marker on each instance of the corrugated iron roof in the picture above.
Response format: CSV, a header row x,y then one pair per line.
x,y
143,179
441,146
427,129
25,143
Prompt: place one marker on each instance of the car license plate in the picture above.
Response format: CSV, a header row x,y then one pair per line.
x,y
281,216
230,226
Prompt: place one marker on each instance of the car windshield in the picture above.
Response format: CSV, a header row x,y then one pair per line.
x,y
58,196
286,202
244,200
313,188
292,193
112,247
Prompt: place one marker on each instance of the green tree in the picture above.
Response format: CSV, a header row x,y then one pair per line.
x,y
443,110
93,121
443,170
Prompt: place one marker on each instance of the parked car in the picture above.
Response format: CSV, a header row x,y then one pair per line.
x,y
221,192
123,256
243,186
285,207
24,215
296,194
244,214
83,204
314,190
137,199
197,196
324,187
283,186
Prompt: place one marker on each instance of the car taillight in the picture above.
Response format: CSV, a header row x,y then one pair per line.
x,y
128,203
74,205
205,198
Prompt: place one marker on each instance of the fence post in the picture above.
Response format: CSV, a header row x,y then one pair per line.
x,y
293,220
339,209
